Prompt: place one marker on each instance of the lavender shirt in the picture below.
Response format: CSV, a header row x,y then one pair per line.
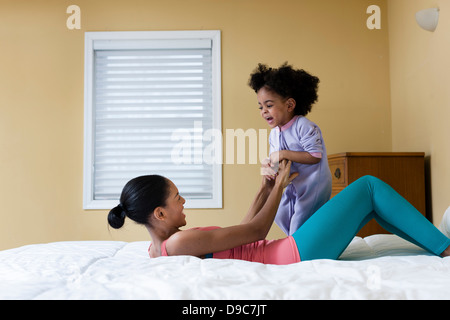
x,y
312,187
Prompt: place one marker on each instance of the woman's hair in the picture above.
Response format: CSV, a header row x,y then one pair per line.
x,y
139,198
288,83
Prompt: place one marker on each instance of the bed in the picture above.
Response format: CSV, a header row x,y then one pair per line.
x,y
375,267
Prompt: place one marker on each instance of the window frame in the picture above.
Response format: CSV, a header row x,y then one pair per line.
x,y
125,39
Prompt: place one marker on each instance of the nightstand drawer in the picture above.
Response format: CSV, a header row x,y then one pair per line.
x,y
338,172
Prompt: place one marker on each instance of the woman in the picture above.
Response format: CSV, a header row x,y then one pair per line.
x,y
155,202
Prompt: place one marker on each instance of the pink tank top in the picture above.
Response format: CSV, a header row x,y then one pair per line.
x,y
283,251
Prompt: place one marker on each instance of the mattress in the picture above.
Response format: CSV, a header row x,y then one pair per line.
x,y
376,267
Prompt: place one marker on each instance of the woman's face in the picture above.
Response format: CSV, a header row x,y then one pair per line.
x,y
174,207
276,110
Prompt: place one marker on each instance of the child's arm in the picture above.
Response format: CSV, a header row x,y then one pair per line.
x,y
294,156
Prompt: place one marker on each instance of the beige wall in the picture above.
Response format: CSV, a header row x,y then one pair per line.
x,y
41,97
420,95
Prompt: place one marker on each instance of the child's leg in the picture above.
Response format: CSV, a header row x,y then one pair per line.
x,y
329,231
305,206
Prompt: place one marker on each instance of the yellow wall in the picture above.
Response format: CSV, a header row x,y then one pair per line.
x,y
420,95
41,96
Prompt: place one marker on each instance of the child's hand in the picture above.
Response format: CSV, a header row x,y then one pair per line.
x,y
267,170
275,158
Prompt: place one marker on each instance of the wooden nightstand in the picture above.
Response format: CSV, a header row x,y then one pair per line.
x,y
403,171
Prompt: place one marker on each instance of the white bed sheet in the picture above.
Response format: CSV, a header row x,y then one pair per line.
x,y
376,267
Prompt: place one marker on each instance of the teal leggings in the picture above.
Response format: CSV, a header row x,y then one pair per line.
x,y
331,228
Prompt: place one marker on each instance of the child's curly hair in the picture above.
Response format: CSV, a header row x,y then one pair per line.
x,y
288,83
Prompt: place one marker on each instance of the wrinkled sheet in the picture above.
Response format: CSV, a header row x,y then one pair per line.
x,y
376,267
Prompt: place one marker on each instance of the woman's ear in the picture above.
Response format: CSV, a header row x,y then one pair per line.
x,y
158,213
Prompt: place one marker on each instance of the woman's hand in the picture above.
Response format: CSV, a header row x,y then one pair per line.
x,y
284,177
268,182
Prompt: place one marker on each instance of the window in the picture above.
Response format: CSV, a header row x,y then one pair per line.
x,y
152,100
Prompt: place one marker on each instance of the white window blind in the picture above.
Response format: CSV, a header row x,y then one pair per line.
x,y
153,96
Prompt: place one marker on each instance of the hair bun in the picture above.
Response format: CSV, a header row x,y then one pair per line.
x,y
116,217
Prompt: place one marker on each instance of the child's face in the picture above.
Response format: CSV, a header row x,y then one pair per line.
x,y
276,110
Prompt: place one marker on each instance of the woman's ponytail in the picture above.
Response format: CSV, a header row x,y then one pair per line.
x,y
116,217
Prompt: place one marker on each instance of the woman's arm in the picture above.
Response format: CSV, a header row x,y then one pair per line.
x,y
260,199
199,243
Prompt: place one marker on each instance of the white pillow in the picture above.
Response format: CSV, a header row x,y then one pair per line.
x,y
445,223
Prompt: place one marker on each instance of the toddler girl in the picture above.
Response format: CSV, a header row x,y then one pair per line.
x,y
285,96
